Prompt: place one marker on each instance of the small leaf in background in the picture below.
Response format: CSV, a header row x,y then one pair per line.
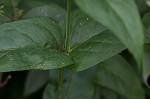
x,y
142,6
10,2
31,44
117,75
146,22
35,80
109,94
51,10
146,65
74,87
122,18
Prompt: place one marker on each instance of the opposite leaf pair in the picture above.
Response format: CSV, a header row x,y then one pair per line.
x,y
36,44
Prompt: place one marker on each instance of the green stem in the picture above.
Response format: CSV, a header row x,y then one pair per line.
x,y
61,71
68,24
15,16
66,47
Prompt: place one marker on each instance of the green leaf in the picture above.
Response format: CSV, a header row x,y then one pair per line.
x,y
146,63
79,88
51,10
89,42
122,18
95,50
117,75
31,44
83,28
35,80
109,94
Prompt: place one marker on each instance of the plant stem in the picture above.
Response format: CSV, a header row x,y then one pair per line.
x,y
61,71
66,47
15,16
68,23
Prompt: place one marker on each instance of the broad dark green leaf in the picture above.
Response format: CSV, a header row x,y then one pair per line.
x,y
122,18
82,28
51,10
31,44
95,50
34,81
79,88
89,42
117,75
146,64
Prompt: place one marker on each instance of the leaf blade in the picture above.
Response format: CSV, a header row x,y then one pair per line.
x,y
27,59
116,74
35,80
31,44
121,18
95,50
89,41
